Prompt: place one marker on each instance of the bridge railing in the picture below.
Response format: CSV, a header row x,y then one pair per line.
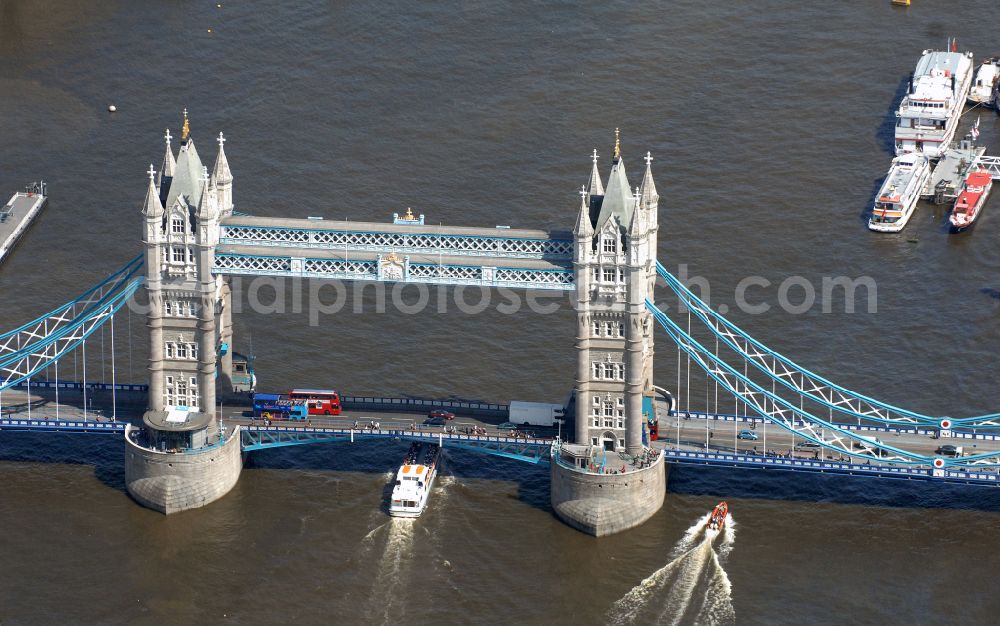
x,y
833,467
423,405
51,425
78,386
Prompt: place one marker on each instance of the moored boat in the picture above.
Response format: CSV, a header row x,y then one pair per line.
x,y
928,115
970,201
983,90
899,193
414,480
718,517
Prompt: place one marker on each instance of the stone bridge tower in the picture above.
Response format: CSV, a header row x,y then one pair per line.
x,y
187,306
608,480
615,241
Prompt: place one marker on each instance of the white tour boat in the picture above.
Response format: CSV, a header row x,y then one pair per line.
x,y
414,480
983,89
929,113
899,193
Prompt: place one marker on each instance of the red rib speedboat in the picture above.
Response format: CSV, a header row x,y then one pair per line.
x,y
718,518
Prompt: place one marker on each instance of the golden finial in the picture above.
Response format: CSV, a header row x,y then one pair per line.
x,y
618,144
186,129
409,214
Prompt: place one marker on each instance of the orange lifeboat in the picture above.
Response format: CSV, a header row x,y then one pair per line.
x,y
718,518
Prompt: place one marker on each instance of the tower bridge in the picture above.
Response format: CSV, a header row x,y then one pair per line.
x,y
194,242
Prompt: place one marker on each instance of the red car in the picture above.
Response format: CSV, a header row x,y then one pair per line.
x,y
448,415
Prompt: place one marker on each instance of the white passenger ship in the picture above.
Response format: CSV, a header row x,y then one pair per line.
x,y
899,193
929,113
414,480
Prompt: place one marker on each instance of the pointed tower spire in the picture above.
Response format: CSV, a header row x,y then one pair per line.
x,y
207,209
637,224
221,171
152,208
596,187
169,163
649,196
223,178
583,226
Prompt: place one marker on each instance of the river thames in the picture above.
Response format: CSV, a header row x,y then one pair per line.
x,y
770,124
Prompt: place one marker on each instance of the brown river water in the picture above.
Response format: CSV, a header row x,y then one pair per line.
x,y
770,123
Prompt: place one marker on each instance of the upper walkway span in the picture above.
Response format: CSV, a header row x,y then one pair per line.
x,y
410,253
497,242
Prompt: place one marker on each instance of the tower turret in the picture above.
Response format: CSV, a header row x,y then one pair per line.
x,y
223,178
584,229
168,166
648,196
596,188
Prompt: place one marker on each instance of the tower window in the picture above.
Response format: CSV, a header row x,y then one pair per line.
x,y
178,254
609,244
177,225
609,275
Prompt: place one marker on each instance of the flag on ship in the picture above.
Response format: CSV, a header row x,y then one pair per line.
x,y
975,130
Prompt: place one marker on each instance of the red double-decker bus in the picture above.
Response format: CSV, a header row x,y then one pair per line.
x,y
319,401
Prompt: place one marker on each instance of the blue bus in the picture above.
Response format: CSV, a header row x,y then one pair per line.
x,y
275,407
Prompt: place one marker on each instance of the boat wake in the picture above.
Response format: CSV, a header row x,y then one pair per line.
x,y
397,536
692,588
393,568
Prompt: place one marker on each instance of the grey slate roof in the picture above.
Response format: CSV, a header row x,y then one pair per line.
x,y
187,177
618,198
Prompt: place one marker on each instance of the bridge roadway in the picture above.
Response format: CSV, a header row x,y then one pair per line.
x,y
721,432
723,445
721,435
